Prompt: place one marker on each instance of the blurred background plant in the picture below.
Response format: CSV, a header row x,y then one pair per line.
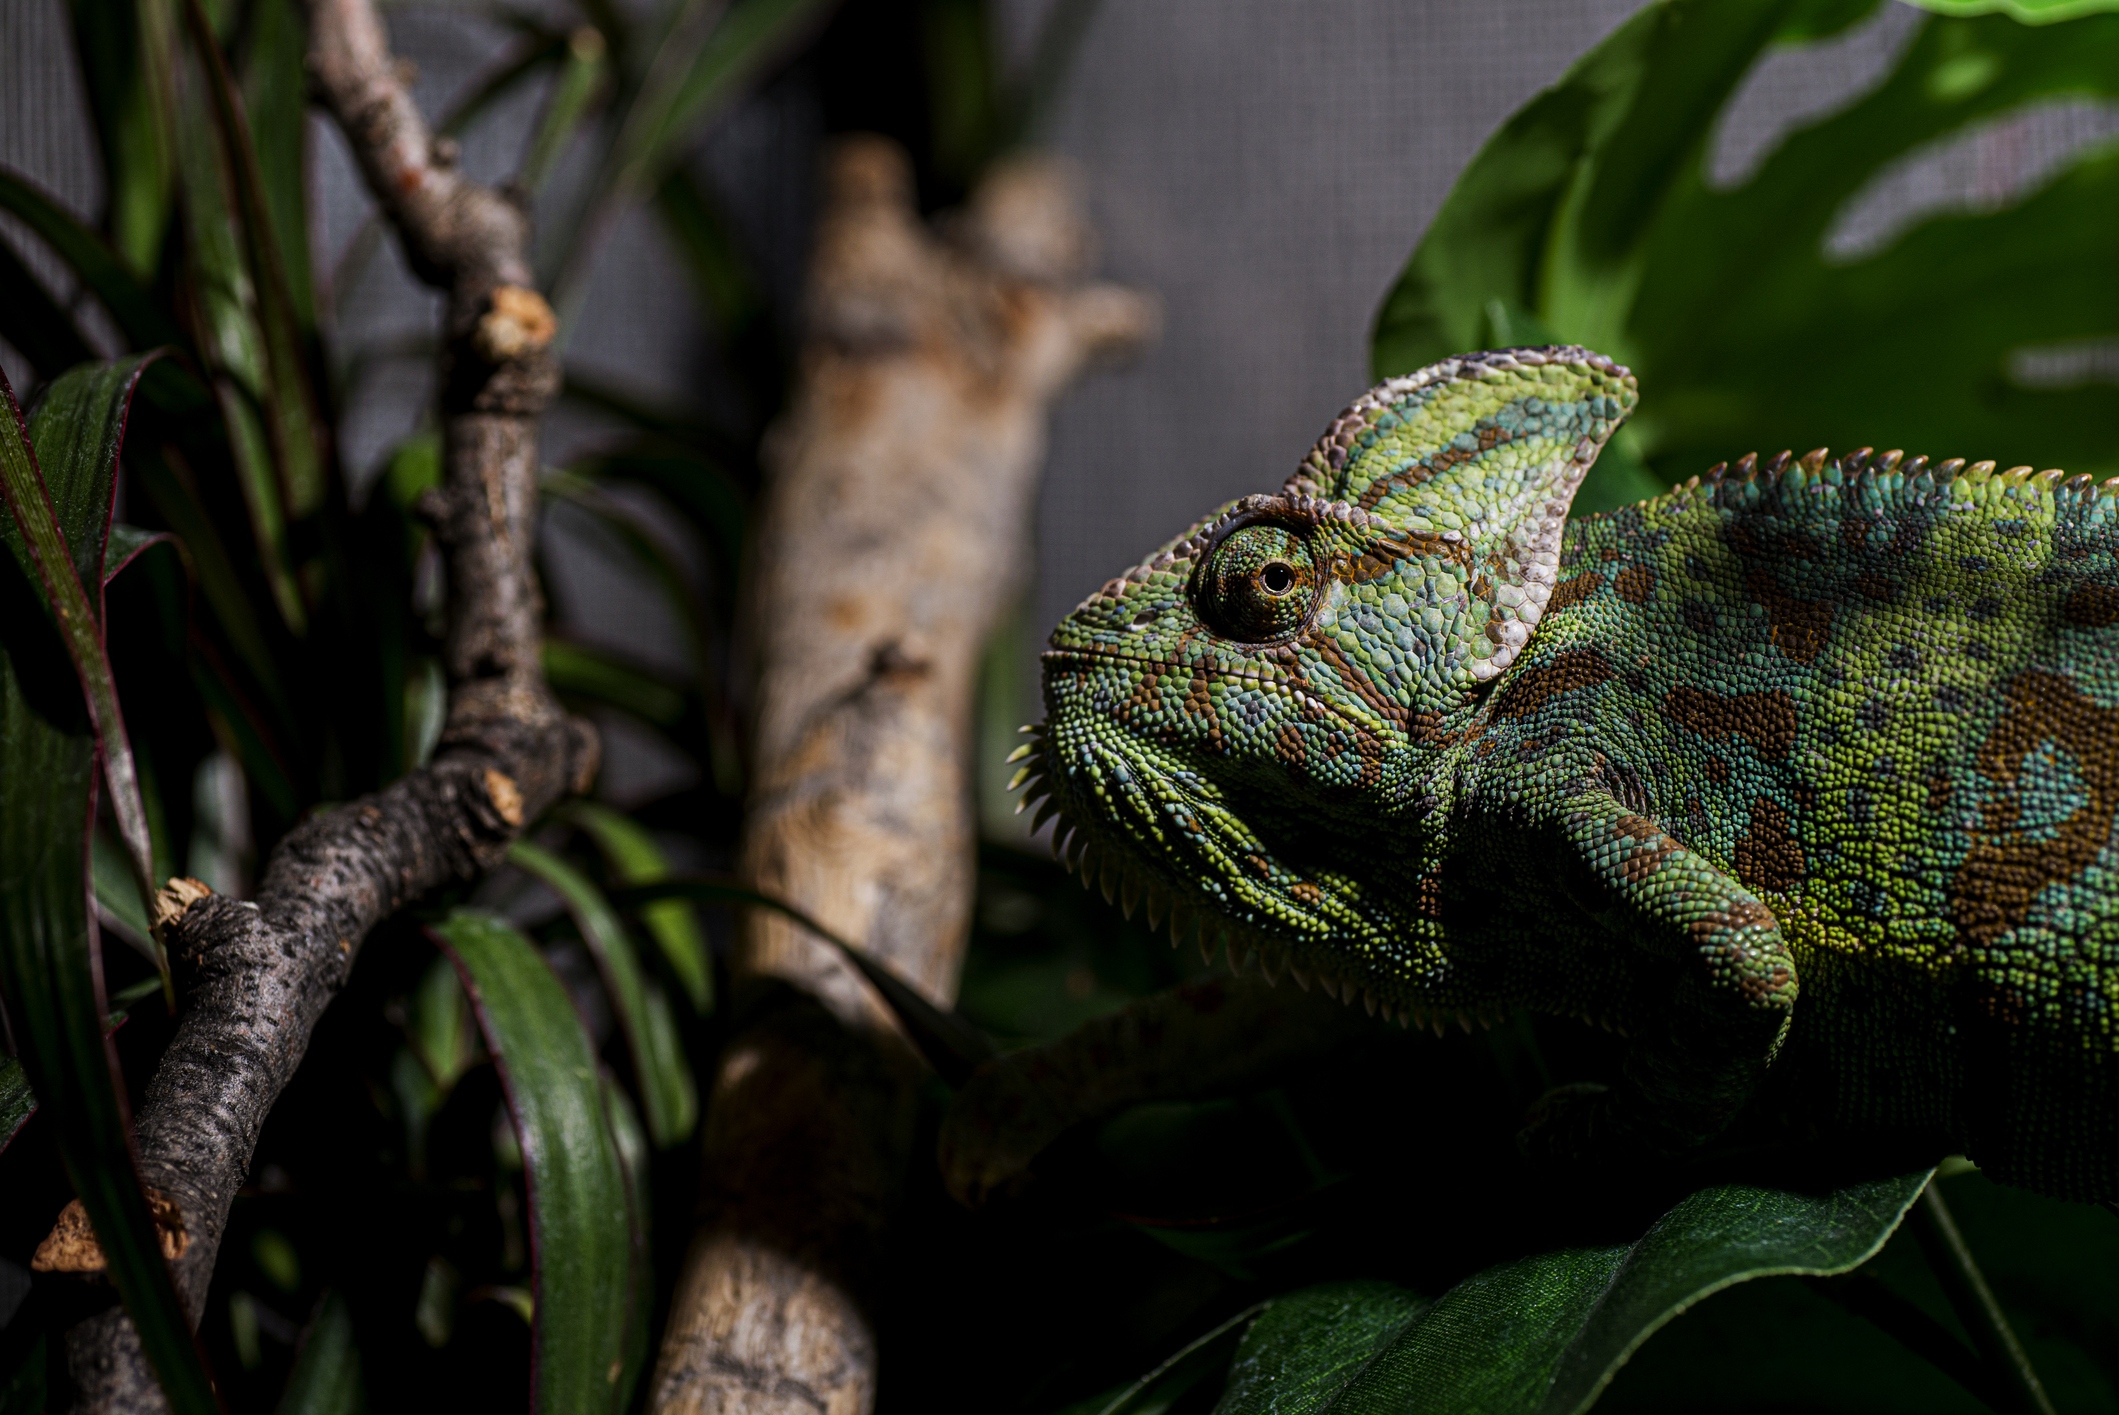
x,y
285,656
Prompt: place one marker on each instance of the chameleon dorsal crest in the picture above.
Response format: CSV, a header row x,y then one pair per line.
x,y
1483,452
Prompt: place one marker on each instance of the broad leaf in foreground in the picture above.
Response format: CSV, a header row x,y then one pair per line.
x,y
580,1239
1546,1333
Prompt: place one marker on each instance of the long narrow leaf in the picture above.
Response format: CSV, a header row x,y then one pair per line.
x,y
79,429
276,99
579,82
326,1379
17,1101
667,1090
93,262
696,71
123,48
635,858
578,1201
49,958
951,1045
290,401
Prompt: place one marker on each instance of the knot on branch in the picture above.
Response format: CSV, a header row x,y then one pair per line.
x,y
71,1246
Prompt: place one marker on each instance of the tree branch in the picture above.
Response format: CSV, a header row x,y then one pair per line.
x,y
894,527
257,975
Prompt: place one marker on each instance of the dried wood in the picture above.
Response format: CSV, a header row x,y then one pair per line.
x,y
895,528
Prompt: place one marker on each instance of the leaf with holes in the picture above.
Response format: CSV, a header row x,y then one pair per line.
x,y
1753,318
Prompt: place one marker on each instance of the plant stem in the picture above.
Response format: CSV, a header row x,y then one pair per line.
x,y
1940,1239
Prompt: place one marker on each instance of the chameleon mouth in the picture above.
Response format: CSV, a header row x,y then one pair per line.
x,y
1085,846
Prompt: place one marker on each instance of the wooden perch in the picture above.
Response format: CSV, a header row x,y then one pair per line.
x,y
894,530
257,975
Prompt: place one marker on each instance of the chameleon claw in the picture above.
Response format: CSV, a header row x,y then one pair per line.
x,y
1019,753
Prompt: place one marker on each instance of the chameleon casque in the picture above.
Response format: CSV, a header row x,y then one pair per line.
x,y
1807,768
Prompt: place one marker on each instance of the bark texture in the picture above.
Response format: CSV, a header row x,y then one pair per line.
x,y
895,528
256,975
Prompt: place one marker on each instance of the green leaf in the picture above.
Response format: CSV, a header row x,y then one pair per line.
x,y
670,1096
326,1379
634,858
1546,1333
1308,1345
124,51
2030,12
95,264
17,1101
580,81
583,670
78,433
578,1201
1591,213
633,1157
284,390
47,968
707,56
948,1043
275,100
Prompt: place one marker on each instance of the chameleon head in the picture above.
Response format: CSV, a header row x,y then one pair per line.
x,y
1236,726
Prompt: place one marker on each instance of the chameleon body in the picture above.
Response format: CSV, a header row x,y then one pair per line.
x,y
1805,771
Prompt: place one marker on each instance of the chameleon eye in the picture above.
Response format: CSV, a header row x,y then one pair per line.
x,y
1258,584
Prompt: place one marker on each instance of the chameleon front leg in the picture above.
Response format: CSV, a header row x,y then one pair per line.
x,y
1696,1056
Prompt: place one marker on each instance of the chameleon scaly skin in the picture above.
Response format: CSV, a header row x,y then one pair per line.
x,y
1810,764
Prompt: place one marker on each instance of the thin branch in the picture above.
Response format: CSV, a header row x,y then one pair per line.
x,y
257,975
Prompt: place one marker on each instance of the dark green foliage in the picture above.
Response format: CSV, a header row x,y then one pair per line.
x,y
1284,1250
582,1280
48,752
1589,218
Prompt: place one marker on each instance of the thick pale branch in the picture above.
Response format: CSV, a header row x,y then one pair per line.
x,y
895,527
257,975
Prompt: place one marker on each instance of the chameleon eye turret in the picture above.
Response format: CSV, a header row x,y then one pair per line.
x,y
1259,583
1803,775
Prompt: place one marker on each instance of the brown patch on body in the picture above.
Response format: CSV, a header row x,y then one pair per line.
x,y
1801,627
1640,866
1635,584
1573,590
1534,685
1767,720
2003,871
2091,607
1768,856
1873,586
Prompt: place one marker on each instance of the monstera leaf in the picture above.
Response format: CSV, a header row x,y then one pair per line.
x,y
1590,217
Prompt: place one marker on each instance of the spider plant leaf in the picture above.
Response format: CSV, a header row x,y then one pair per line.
x,y
668,1093
579,1202
49,960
